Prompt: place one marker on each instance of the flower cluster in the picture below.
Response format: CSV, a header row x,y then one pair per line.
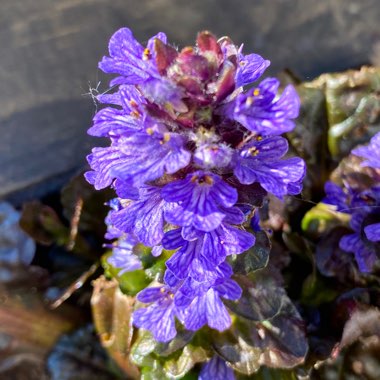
x,y
363,203
188,143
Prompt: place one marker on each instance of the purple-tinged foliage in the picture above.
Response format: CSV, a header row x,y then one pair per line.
x,y
216,369
370,153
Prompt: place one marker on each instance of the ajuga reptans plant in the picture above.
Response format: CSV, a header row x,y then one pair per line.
x,y
362,202
195,145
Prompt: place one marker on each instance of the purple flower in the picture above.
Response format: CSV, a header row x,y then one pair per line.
x,y
113,122
130,59
201,257
261,161
224,241
365,255
200,303
139,158
372,232
122,255
200,197
209,156
216,369
159,317
165,94
261,112
371,152
336,196
250,68
143,217
188,260
364,207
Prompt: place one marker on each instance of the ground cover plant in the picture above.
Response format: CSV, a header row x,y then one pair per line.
x,y
242,215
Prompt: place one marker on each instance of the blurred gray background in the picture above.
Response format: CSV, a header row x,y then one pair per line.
x,y
50,50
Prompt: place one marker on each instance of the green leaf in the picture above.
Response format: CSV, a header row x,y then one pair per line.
x,y
255,258
275,374
242,357
316,292
131,282
352,105
176,368
282,339
182,338
172,360
321,219
144,345
153,372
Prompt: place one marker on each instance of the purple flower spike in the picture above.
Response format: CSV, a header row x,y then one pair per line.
x,y
165,94
200,197
216,369
159,317
371,152
261,161
187,142
201,258
111,122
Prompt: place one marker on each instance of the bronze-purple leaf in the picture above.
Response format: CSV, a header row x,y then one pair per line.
x,y
165,55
